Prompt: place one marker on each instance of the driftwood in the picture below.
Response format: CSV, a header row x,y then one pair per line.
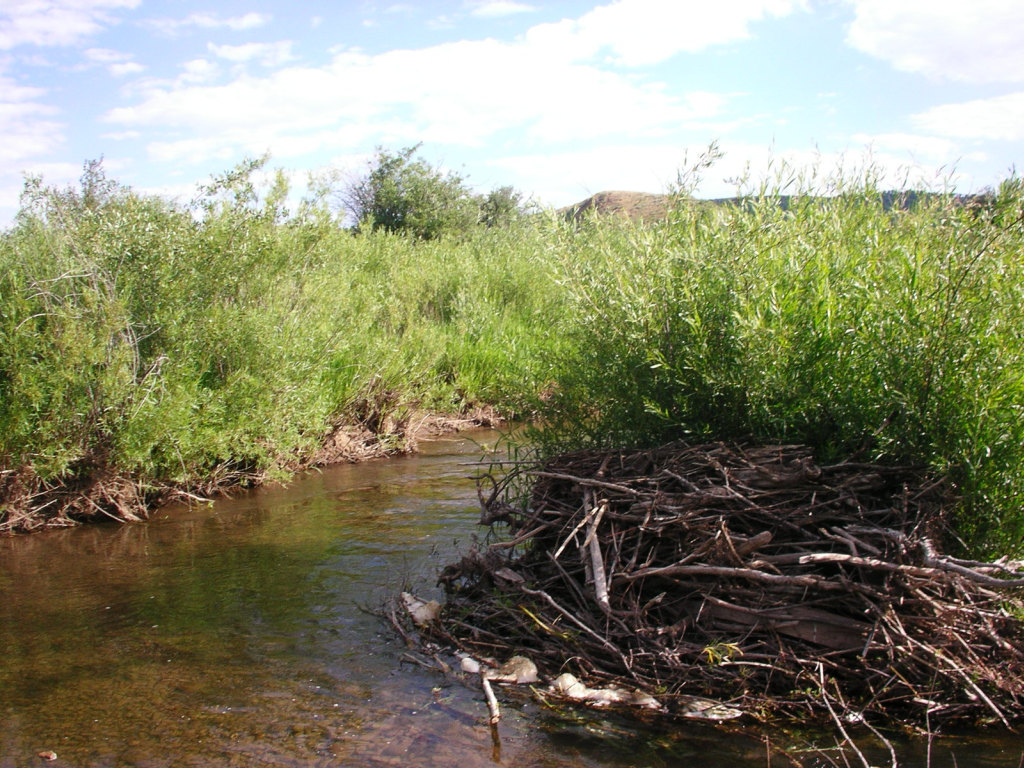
x,y
749,575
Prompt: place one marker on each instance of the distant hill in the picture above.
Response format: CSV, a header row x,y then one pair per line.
x,y
633,205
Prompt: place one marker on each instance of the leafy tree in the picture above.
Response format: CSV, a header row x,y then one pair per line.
x,y
403,193
501,206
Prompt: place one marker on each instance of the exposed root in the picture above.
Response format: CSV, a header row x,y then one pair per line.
x,y
95,491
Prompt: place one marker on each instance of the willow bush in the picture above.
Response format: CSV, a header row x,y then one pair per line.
x,y
173,343
860,323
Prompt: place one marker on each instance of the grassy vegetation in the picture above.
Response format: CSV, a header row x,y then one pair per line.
x,y
177,344
172,343
837,320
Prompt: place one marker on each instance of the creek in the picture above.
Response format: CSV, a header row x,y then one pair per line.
x,y
243,633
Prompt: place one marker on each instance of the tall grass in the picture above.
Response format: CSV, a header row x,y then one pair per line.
x,y
826,317
175,343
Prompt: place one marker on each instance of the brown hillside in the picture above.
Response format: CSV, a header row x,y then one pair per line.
x,y
633,205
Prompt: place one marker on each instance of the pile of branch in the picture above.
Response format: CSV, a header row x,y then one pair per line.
x,y
747,574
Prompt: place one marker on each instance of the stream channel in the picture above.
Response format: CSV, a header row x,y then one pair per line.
x,y
242,633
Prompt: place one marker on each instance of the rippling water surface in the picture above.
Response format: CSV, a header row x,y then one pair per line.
x,y
243,633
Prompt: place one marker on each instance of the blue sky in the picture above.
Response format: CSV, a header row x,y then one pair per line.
x,y
559,99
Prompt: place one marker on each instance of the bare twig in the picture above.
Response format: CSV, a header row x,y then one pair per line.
x,y
492,703
747,573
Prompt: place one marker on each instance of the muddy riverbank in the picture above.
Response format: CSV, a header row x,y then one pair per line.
x,y
97,491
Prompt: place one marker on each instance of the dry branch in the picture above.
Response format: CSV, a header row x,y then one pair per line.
x,y
750,575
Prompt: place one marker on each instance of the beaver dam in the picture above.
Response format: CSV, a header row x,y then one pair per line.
x,y
751,576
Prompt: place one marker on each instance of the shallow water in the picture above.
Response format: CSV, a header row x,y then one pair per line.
x,y
241,634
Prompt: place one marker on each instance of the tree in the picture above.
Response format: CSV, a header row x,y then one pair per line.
x,y
403,193
501,207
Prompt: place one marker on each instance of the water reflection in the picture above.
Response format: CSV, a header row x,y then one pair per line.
x,y
235,634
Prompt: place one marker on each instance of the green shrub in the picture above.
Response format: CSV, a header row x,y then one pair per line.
x,y
402,193
838,320
166,343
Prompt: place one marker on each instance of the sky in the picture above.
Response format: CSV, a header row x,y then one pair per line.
x,y
558,99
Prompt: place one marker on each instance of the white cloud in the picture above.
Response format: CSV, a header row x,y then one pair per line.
x,y
105,55
442,22
55,22
121,135
642,32
126,68
268,54
490,9
209,21
999,118
978,41
185,150
511,86
547,86
117,63
29,133
921,148
248,21
562,178
24,141
198,71
25,125
10,193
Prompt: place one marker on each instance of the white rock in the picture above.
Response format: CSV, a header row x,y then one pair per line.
x,y
422,612
567,685
519,670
